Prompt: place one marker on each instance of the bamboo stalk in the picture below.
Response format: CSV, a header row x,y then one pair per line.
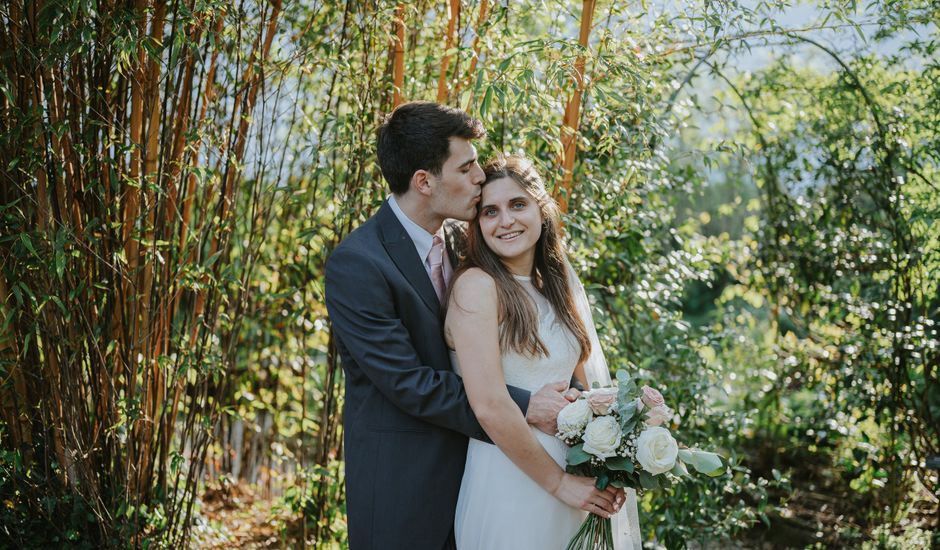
x,y
13,413
208,95
453,13
43,205
156,384
398,48
132,204
569,128
168,304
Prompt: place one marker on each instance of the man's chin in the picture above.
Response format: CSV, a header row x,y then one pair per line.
x,y
467,215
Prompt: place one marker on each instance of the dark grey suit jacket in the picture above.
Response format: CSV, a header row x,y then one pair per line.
x,y
406,415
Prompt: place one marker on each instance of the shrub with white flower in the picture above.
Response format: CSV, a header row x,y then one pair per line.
x,y
620,436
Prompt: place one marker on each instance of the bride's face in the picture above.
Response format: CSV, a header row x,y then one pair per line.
x,y
511,224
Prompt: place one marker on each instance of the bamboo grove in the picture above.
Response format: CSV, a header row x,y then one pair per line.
x,y
131,126
175,174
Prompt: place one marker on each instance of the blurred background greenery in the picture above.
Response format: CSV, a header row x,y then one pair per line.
x,y
752,205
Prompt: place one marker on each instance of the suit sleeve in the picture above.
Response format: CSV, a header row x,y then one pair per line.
x,y
365,320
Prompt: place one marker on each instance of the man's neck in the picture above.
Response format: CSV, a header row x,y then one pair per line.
x,y
418,212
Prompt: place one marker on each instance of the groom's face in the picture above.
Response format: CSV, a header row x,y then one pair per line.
x,y
456,191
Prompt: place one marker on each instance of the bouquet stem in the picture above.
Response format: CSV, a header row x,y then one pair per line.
x,y
594,534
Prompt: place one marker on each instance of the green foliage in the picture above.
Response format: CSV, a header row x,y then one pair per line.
x,y
25,515
760,240
318,485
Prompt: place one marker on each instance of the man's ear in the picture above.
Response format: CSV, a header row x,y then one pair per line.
x,y
420,182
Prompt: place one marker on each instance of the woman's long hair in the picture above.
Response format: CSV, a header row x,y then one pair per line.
x,y
519,320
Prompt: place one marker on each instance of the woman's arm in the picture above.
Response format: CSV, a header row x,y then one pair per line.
x,y
473,321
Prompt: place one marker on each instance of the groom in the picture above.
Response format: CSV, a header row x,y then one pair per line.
x,y
406,416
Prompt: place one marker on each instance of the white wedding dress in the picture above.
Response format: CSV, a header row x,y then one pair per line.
x,y
499,506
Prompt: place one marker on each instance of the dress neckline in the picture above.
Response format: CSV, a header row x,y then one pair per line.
x,y
522,277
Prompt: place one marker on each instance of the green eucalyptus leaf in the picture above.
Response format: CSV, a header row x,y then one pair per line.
x,y
707,463
648,481
576,455
620,463
627,411
680,470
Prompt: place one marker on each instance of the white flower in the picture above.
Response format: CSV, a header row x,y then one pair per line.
x,y
573,418
602,437
656,450
659,415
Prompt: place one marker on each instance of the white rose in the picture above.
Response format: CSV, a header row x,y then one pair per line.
x,y
659,415
573,418
602,437
656,450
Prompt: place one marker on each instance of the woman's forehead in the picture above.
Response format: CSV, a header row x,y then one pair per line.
x,y
503,189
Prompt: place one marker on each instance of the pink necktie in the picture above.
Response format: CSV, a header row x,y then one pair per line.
x,y
436,263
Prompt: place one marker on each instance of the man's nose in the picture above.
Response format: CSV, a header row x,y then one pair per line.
x,y
478,176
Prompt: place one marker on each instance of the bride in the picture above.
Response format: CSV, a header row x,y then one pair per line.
x,y
513,318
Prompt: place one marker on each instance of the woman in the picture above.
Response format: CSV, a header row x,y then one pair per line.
x,y
512,320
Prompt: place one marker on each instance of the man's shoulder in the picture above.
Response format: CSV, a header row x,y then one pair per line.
x,y
361,244
365,235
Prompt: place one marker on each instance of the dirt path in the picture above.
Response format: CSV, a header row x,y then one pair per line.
x,y
233,517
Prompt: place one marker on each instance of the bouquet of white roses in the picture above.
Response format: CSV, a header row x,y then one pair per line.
x,y
620,436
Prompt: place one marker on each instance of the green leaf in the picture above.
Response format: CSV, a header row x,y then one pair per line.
x,y
620,463
27,243
487,99
627,411
59,256
707,463
59,303
680,470
576,455
647,481
602,481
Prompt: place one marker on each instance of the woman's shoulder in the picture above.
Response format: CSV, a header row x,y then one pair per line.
x,y
473,290
474,279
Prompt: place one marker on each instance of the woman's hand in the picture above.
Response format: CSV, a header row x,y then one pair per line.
x,y
580,492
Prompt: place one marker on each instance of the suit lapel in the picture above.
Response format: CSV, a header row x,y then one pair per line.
x,y
402,251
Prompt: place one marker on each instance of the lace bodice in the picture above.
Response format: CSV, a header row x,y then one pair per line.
x,y
531,372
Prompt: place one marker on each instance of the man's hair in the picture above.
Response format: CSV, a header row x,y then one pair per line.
x,y
415,136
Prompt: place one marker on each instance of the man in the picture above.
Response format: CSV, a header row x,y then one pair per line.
x,y
406,417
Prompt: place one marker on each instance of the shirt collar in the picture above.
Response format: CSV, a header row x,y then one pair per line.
x,y
419,235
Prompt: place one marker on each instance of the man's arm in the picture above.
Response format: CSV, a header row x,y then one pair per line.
x,y
364,318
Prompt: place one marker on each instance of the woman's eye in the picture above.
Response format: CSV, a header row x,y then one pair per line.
x,y
489,212
518,205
